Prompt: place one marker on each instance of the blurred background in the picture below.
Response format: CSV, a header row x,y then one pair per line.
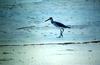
x,y
25,39
22,21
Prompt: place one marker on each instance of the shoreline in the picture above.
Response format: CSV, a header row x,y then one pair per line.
x,y
66,43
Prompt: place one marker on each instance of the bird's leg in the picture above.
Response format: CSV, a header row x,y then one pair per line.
x,y
61,32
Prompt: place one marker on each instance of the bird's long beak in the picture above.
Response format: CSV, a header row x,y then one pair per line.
x,y
47,20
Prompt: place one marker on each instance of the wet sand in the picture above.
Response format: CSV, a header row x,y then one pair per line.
x,y
86,53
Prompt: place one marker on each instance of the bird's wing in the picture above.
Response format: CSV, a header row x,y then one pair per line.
x,y
60,24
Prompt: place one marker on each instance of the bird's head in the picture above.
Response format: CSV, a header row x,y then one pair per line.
x,y
50,18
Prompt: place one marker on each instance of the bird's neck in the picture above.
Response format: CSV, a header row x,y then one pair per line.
x,y
51,20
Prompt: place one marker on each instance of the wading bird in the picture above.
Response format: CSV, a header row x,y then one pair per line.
x,y
58,25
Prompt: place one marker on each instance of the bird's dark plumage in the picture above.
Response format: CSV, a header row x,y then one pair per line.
x,y
58,24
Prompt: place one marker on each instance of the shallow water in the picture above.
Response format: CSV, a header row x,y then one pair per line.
x,y
71,54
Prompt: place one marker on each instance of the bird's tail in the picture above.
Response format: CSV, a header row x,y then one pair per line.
x,y
68,27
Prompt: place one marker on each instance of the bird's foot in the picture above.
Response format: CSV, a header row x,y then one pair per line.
x,y
59,36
